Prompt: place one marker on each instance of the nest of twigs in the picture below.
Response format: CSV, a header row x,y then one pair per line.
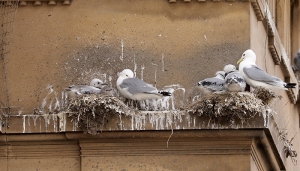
x,y
228,106
266,95
91,112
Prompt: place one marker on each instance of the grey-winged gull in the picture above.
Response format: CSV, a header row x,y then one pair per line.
x,y
98,83
108,91
256,77
297,61
136,89
94,88
234,80
213,84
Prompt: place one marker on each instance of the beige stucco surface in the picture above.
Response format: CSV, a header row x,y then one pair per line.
x,y
65,45
168,163
165,44
184,150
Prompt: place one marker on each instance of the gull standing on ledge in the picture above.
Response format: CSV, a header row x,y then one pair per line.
x,y
136,89
256,77
234,80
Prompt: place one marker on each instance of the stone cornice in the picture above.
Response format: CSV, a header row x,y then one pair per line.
x,y
41,2
164,128
256,142
44,149
149,120
260,157
172,1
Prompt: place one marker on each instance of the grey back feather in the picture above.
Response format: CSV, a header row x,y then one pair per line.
x,y
136,86
258,74
297,61
214,84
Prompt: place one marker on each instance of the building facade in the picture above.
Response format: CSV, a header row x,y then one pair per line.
x,y
172,43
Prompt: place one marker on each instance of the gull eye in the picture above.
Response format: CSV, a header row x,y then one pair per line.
x,y
98,82
243,54
126,75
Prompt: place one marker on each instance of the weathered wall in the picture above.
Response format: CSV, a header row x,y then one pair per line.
x,y
183,150
287,117
56,46
65,45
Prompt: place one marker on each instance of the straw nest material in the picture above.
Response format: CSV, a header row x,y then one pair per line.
x,y
233,105
93,111
266,95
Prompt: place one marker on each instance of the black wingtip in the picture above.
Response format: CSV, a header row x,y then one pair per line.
x,y
164,93
290,85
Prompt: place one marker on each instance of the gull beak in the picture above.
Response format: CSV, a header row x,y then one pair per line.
x,y
240,60
104,84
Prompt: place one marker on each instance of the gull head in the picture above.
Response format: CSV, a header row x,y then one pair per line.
x,y
97,83
229,68
220,74
298,53
126,73
248,56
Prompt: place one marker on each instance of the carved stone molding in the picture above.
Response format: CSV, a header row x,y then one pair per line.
x,y
137,135
190,142
256,144
161,146
55,123
42,149
48,2
173,1
257,9
273,48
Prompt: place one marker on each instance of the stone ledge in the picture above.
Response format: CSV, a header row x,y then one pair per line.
x,y
149,126
147,120
173,1
256,143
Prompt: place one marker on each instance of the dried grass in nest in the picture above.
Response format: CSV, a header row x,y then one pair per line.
x,y
228,106
94,111
266,95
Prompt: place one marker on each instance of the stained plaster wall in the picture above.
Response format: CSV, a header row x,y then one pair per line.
x,y
173,162
287,117
186,151
65,45
295,26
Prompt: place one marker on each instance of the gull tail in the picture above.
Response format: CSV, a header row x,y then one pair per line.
x,y
290,85
165,93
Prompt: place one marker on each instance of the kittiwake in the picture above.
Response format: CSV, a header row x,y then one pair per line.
x,y
94,88
108,91
213,84
136,89
297,62
256,77
98,83
234,80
